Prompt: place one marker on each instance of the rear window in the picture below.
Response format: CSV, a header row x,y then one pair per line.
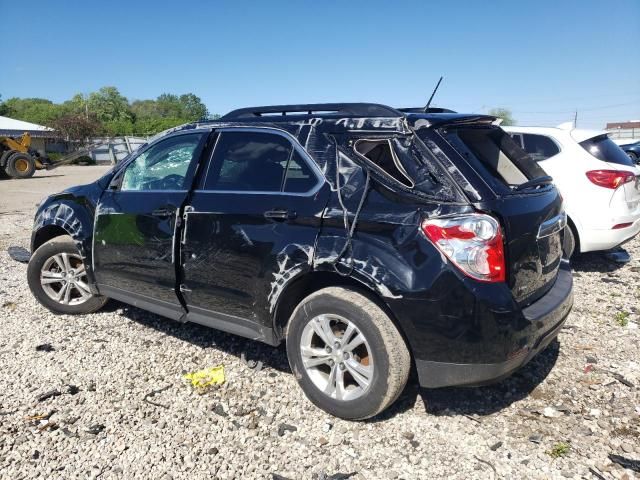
x,y
539,147
603,148
496,152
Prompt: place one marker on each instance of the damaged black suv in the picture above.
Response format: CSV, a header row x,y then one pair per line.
x,y
371,240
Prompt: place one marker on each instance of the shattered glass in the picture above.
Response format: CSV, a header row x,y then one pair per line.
x,y
163,166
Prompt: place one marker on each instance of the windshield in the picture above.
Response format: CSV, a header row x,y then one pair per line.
x,y
603,148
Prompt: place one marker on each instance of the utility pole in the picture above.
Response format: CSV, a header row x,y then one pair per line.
x,y
575,119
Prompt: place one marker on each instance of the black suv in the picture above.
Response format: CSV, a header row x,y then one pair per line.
x,y
372,240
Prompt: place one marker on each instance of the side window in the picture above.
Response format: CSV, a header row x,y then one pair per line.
x,y
539,147
382,155
164,166
299,177
257,162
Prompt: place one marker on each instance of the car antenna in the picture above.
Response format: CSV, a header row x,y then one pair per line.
x,y
426,108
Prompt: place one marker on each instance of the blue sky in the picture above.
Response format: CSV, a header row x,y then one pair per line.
x,y
542,59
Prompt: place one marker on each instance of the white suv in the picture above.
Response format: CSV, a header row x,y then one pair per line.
x,y
599,183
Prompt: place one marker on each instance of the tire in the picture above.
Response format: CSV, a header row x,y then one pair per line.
x,y
20,165
47,263
633,157
383,358
569,245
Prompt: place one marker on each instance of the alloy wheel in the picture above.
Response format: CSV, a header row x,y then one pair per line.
x,y
337,357
64,279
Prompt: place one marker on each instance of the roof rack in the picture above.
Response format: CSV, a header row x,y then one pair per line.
x,y
427,110
314,110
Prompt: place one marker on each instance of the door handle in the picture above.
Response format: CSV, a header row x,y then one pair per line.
x,y
163,212
279,214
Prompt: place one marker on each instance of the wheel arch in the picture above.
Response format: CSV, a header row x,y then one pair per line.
x,y
65,217
576,234
46,233
310,282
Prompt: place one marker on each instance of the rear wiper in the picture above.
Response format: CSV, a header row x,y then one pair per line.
x,y
536,182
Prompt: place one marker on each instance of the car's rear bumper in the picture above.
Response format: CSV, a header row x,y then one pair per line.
x,y
595,240
548,314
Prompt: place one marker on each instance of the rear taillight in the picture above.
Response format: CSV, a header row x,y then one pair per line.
x,y
610,178
473,243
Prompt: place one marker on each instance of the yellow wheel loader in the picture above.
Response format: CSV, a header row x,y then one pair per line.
x,y
17,160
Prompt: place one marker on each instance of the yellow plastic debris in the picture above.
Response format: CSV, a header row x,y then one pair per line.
x,y
204,379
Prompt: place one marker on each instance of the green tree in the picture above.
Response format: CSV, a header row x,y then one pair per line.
x,y
168,106
193,108
108,112
35,110
77,105
505,114
109,105
144,109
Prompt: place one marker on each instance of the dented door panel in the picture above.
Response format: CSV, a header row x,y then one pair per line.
x,y
133,242
237,260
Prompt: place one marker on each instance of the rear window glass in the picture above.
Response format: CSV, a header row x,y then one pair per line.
x,y
603,148
405,161
496,152
383,156
299,178
539,147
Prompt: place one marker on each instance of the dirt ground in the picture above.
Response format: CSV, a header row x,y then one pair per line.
x,y
123,409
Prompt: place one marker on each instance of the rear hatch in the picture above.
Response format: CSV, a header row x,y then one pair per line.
x,y
604,149
518,193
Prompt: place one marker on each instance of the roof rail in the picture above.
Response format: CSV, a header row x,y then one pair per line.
x,y
427,110
315,110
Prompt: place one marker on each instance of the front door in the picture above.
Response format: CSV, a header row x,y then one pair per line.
x,y
254,221
134,254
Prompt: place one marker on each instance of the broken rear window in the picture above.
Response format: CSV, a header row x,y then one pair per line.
x,y
405,161
383,156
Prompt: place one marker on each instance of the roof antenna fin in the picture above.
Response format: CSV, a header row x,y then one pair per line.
x,y
426,108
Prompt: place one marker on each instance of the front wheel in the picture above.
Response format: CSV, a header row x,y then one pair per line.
x,y
58,279
346,353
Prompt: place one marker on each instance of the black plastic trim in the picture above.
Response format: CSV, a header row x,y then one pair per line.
x,y
166,309
232,324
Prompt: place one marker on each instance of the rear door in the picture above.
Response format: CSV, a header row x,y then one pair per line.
x,y
135,223
532,217
249,228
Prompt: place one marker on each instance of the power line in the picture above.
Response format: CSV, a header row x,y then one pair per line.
x,y
573,99
601,107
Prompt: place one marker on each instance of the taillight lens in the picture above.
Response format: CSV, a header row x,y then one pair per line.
x,y
610,178
473,243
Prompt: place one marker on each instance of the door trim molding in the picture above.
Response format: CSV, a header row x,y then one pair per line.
x,y
232,324
160,307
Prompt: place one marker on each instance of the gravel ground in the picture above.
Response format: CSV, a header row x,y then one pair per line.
x,y
124,410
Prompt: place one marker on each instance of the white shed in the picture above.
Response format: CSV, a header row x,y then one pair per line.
x,y
10,127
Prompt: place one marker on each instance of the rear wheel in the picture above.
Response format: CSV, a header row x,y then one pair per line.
x,y
633,157
58,279
20,165
569,246
346,353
